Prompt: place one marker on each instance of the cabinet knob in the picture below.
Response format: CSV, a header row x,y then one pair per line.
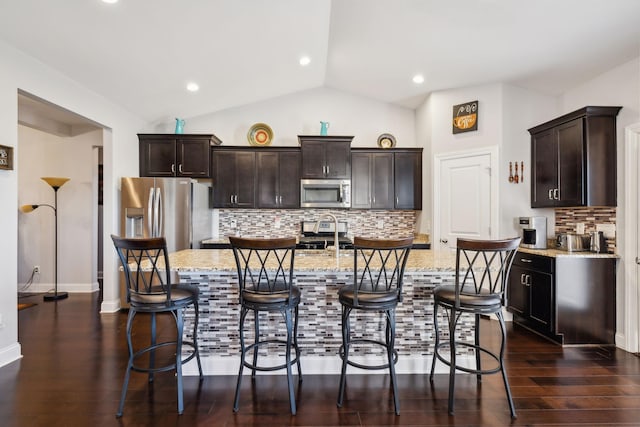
x,y
525,260
173,168
445,241
550,196
556,194
180,168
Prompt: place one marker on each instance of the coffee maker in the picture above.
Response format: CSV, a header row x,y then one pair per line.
x,y
534,232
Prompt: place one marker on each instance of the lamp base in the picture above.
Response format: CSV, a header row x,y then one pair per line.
x,y
55,296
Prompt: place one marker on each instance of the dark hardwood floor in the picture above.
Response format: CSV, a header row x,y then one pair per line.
x,y
74,360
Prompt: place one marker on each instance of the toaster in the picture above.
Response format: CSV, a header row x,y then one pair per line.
x,y
572,242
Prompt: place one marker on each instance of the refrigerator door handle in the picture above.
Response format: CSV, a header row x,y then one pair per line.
x,y
159,212
150,212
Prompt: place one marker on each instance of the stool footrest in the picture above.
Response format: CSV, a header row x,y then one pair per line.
x,y
370,367
464,368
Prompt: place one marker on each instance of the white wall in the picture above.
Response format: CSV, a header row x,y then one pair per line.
x,y
522,110
19,71
44,154
300,113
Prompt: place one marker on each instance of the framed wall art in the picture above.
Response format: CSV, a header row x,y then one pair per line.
x,y
465,117
6,157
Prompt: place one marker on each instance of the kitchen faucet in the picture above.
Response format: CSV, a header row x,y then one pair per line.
x,y
316,228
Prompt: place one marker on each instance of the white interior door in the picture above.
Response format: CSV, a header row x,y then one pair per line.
x,y
465,199
628,337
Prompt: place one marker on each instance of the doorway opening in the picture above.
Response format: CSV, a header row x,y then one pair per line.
x,y
57,142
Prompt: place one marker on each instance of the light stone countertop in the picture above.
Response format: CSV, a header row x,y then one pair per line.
x,y
557,253
306,260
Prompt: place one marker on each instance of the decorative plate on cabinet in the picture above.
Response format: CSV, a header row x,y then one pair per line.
x,y
260,134
386,140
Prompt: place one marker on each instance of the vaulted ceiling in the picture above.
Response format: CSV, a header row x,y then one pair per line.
x,y
141,54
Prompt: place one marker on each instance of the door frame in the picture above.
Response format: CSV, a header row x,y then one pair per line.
x,y
493,152
630,338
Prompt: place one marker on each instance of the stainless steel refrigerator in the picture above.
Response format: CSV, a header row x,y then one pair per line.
x,y
176,208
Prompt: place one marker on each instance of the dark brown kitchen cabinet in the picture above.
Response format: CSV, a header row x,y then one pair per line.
x,y
407,181
278,179
372,180
573,159
325,157
569,299
530,291
170,155
234,176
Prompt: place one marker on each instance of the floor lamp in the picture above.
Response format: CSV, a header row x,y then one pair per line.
x,y
55,183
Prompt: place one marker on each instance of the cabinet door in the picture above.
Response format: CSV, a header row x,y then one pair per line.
x,y
541,303
289,179
313,159
570,163
382,181
361,180
224,178
157,157
268,178
192,157
245,179
338,159
518,291
408,180
544,173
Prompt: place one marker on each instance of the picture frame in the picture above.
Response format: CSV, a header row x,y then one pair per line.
x,y
465,117
6,157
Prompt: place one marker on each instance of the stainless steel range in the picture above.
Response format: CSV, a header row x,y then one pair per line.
x,y
324,236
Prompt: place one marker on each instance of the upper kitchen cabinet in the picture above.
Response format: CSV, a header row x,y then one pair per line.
x,y
573,159
372,179
407,171
278,178
169,155
234,176
325,157
386,179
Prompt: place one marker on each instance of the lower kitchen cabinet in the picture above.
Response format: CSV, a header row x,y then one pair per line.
x,y
569,299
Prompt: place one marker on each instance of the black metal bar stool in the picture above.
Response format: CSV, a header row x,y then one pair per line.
x,y
149,290
378,266
265,279
482,271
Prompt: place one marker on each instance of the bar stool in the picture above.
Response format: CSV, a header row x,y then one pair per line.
x,y
149,290
265,280
378,266
482,271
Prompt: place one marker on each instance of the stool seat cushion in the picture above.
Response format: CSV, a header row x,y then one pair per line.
x,y
447,295
278,296
347,295
180,294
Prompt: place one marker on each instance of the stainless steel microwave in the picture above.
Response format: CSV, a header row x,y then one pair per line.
x,y
325,193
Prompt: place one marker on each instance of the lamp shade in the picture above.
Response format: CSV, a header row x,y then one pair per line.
x,y
55,182
28,208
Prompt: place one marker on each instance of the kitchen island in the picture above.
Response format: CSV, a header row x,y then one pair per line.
x,y
319,276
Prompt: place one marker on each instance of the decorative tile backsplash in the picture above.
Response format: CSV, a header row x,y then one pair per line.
x,y
288,222
567,218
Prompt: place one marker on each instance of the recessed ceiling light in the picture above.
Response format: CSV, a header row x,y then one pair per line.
x,y
418,79
110,1
305,60
193,87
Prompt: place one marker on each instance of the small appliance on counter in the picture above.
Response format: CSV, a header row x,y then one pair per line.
x,y
572,242
598,243
534,232
325,235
